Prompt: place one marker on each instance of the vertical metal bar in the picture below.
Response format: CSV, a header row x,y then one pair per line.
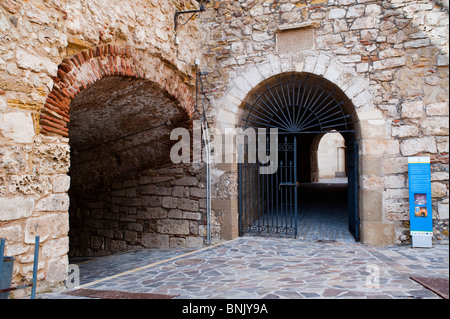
x,y
240,197
286,180
277,191
262,199
296,188
247,195
272,195
2,251
258,186
253,192
291,197
267,206
35,267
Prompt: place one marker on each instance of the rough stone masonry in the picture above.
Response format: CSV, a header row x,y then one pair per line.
x,y
89,91
390,58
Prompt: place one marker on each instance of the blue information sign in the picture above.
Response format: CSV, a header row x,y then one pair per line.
x,y
421,214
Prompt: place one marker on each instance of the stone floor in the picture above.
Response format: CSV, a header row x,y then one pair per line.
x,y
269,268
322,214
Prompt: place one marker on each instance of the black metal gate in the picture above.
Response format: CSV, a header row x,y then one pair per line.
x,y
269,203
353,216
294,105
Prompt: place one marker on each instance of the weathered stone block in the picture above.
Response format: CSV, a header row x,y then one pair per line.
x,y
405,131
131,236
17,126
413,109
188,204
47,226
389,63
53,203
186,181
163,191
147,190
179,191
336,13
377,233
442,60
395,181
438,109
173,226
55,248
395,165
175,213
372,165
176,242
137,227
169,202
194,242
11,233
26,60
374,129
192,216
198,192
365,23
411,147
438,190
372,200
436,126
443,211
380,147
16,208
61,184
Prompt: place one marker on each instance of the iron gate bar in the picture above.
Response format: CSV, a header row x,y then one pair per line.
x,y
268,204
329,110
294,106
307,132
289,105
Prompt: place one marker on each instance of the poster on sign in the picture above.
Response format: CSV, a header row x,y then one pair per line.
x,y
421,216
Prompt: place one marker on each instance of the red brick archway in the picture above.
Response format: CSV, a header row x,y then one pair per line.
x,y
78,72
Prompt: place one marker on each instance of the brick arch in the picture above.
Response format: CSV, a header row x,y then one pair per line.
x,y
75,74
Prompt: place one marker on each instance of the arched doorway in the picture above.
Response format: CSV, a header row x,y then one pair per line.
x,y
116,107
119,138
303,107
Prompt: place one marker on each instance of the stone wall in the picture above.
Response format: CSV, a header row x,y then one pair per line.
x,y
51,52
157,208
389,57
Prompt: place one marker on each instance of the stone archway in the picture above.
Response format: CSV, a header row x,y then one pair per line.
x,y
371,131
75,74
117,106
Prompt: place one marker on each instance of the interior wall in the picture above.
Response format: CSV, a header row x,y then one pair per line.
x,y
125,192
331,156
153,208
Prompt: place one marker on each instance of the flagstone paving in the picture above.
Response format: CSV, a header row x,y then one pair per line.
x,y
258,268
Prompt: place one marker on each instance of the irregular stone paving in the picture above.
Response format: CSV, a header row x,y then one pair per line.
x,y
255,268
104,267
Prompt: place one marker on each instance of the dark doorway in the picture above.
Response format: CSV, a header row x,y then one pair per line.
x,y
301,107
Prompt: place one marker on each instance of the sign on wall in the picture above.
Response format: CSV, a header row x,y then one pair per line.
x,y
421,214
